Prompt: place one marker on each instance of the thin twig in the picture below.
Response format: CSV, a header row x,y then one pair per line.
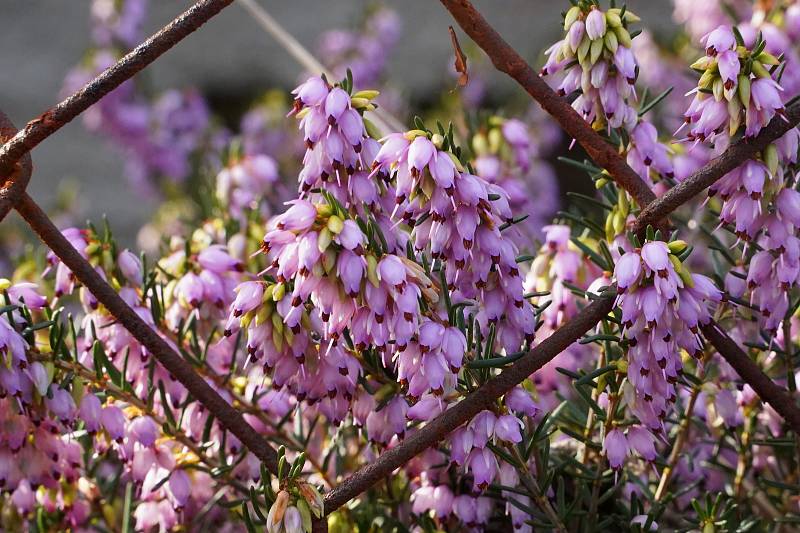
x,y
56,117
383,119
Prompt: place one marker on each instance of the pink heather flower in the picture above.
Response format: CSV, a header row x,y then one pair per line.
x,y
508,428
641,520
615,446
90,412
248,297
299,217
23,497
482,463
312,92
482,427
465,508
143,430
336,102
61,404
420,153
391,270
130,266
728,63
189,290
113,421
642,442
38,375
216,259
461,443
595,24
627,270
655,255
727,408
180,488
719,40
521,401
28,293
575,34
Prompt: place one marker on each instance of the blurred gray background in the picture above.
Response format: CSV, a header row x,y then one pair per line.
x,y
231,57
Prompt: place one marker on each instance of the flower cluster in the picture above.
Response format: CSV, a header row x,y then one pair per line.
x,y
736,88
596,59
663,306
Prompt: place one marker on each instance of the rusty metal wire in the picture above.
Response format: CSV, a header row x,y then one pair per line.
x,y
15,170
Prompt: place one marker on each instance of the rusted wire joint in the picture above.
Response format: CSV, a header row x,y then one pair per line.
x,y
14,183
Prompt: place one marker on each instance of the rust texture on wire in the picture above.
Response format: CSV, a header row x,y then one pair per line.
x,y
56,117
482,398
777,397
507,60
17,180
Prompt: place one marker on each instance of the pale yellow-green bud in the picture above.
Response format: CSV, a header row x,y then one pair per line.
x,y
480,144
359,103
571,16
329,260
495,140
279,292
718,88
677,247
600,183
583,50
368,94
734,108
595,51
706,80
611,41
623,37
438,140
619,222
335,225
324,210
760,71
372,129
703,63
682,271
631,17
743,88
372,270
771,158
324,240
768,59
413,134
5,283
612,19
